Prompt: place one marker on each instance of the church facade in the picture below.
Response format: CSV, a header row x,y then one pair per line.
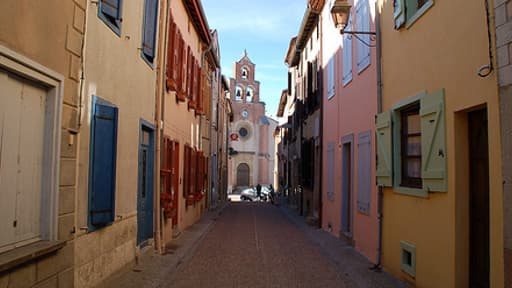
x,y
251,155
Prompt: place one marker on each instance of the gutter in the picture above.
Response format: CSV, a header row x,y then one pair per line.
x,y
380,195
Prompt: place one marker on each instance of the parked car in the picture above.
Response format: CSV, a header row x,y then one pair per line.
x,y
249,194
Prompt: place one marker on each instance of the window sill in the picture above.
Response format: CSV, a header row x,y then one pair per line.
x,y
18,256
411,191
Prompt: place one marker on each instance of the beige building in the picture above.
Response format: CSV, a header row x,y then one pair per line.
x,y
117,144
251,132
40,70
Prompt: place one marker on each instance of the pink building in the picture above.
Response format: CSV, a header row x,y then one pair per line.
x,y
350,196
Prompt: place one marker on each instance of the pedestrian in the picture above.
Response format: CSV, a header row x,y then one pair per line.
x,y
258,190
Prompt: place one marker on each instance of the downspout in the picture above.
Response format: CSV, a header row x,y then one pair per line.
x,y
380,192
159,119
203,55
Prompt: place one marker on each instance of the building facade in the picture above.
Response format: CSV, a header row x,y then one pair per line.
x,y
350,206
251,139
304,84
115,213
40,70
438,156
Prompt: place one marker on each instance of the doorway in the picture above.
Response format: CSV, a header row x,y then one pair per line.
x,y
242,175
479,199
346,185
145,186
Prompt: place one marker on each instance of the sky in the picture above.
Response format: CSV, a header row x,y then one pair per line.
x,y
262,27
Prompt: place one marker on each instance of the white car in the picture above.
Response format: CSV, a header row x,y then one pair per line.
x,y
249,194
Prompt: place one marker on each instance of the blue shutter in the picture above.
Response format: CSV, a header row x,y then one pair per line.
x,y
102,174
364,154
149,31
111,8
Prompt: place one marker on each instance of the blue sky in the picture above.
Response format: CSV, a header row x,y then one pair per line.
x,y
264,28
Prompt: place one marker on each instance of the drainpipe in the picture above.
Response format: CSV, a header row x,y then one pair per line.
x,y
380,194
159,119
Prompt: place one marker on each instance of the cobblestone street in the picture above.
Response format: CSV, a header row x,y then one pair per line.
x,y
256,245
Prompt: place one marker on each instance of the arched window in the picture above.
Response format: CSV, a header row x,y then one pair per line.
x,y
245,73
238,95
249,94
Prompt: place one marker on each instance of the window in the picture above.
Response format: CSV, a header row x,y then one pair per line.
x,y
172,57
149,30
110,12
249,94
330,79
102,164
363,24
245,73
347,55
330,170
364,172
29,149
414,163
410,147
238,95
409,11
408,258
243,132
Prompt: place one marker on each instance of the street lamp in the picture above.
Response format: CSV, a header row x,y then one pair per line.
x,y
340,12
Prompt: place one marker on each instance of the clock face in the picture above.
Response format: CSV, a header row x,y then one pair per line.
x,y
244,113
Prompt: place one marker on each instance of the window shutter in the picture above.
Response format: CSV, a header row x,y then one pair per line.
x,y
102,165
399,13
384,150
364,162
363,24
330,170
330,78
193,171
149,35
186,167
347,55
190,76
433,142
171,43
112,8
184,56
200,95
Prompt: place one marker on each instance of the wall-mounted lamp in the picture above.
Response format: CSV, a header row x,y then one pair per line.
x,y
340,13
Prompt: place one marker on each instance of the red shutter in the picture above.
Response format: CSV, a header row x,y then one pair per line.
x,y
183,79
200,92
171,43
179,68
175,180
190,63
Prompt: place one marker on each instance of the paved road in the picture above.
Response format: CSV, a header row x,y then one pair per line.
x,y
255,245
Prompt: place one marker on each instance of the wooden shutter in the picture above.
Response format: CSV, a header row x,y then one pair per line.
x,y
384,150
399,13
190,68
175,180
149,32
347,55
193,83
330,170
330,78
186,164
112,8
433,142
364,174
183,79
171,60
193,171
200,92
103,164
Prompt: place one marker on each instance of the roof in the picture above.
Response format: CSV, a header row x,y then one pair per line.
x,y
282,103
196,13
309,22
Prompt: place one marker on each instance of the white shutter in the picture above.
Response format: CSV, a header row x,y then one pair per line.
x,y
347,54
363,24
330,78
22,127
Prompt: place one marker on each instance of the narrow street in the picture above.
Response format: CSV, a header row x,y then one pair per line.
x,y
254,244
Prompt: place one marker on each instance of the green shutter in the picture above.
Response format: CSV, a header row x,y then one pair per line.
x,y
384,149
399,13
433,142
